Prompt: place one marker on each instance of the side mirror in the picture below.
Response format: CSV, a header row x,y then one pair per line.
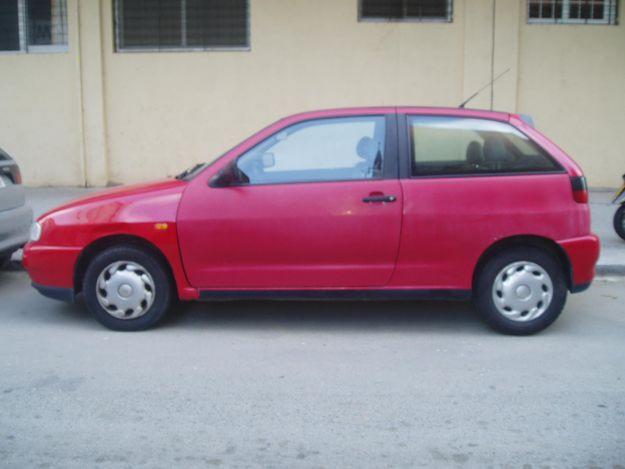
x,y
229,176
268,160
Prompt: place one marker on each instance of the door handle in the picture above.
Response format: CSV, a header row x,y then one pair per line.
x,y
379,199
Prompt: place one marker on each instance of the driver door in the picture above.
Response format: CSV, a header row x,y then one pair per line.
x,y
316,205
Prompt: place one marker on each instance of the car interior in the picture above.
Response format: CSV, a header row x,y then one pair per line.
x,y
365,161
494,153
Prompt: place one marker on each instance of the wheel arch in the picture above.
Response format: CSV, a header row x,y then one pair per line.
x,y
540,242
101,244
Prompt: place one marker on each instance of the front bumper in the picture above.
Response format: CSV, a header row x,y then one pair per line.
x,y
14,228
56,293
51,269
583,254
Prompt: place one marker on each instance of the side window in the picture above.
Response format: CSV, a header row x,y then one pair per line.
x,y
406,10
33,25
455,145
335,149
163,25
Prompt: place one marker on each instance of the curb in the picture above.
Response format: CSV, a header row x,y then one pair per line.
x,y
604,270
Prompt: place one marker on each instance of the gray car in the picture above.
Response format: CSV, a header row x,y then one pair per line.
x,y
15,216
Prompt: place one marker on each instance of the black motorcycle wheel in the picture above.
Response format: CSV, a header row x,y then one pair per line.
x,y
619,221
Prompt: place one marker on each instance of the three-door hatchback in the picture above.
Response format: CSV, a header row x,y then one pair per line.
x,y
368,203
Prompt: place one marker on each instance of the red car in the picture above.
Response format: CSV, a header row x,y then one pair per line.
x,y
370,203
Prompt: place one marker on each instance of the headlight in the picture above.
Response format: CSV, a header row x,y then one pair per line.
x,y
35,231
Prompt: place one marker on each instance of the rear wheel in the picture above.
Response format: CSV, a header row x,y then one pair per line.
x,y
521,291
619,221
126,288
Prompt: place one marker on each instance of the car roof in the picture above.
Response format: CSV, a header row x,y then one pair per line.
x,y
427,110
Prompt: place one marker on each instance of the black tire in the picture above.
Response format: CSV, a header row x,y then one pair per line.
x,y
483,293
619,221
163,287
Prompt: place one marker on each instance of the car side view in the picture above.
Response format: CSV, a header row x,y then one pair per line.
x,y
360,203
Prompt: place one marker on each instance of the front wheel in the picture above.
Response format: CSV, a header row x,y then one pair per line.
x,y
521,291
619,221
126,288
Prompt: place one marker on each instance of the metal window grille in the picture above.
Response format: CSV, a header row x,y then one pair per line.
x,y
406,10
33,25
165,25
573,11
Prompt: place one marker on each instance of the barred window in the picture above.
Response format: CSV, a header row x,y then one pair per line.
x,y
573,11
406,10
181,24
33,25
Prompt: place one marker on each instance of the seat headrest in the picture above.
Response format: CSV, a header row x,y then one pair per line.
x,y
367,148
495,151
474,153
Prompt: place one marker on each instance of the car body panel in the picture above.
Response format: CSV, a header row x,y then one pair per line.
x,y
583,253
315,235
299,235
442,251
15,216
11,195
129,211
52,266
14,228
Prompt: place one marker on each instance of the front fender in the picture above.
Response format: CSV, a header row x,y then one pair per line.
x,y
146,212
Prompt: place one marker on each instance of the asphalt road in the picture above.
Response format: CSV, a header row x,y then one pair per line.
x,y
310,385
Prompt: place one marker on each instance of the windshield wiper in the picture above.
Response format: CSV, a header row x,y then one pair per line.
x,y
189,171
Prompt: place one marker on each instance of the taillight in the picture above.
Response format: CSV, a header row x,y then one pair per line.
x,y
17,175
580,189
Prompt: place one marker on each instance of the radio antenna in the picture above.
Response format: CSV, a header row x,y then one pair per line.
x,y
464,103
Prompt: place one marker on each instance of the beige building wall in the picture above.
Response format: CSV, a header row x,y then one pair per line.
x,y
572,79
40,112
92,116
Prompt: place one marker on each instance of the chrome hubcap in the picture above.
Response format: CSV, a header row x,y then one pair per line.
x,y
125,290
522,291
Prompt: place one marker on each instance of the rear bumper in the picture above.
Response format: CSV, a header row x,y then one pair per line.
x,y
14,228
583,254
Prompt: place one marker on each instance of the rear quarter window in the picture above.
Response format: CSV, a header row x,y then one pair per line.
x,y
453,145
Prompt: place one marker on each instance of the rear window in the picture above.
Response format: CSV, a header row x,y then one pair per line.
x,y
453,145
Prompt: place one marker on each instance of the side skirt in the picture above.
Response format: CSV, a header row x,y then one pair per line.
x,y
333,295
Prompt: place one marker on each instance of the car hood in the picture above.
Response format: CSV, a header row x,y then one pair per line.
x,y
145,199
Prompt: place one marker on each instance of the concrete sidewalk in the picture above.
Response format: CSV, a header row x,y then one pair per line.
x,y
611,261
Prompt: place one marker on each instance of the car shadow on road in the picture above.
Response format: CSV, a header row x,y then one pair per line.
x,y
441,316
20,303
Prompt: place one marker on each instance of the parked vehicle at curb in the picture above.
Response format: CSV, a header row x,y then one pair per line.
x,y
15,216
362,203
619,215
